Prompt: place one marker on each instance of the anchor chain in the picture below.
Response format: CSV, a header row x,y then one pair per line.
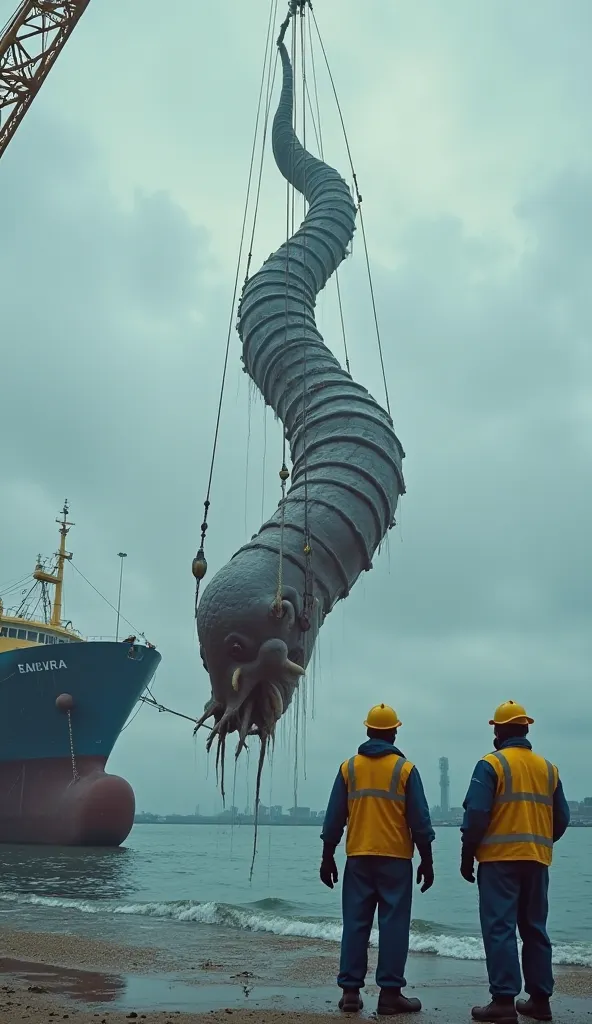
x,y
75,774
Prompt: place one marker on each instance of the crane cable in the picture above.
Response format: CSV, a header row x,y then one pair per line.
x,y
308,595
269,92
359,202
302,5
319,136
308,592
199,566
290,191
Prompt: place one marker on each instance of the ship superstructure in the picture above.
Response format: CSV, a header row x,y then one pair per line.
x,y
64,701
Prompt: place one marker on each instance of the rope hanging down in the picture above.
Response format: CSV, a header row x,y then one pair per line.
x,y
290,199
300,6
359,202
308,595
319,137
199,565
269,93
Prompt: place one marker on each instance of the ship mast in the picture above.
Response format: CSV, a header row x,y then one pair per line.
x,y
57,579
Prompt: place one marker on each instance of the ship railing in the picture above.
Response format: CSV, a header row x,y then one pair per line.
x,y
140,642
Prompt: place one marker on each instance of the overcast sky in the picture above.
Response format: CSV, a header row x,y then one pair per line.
x,y
121,199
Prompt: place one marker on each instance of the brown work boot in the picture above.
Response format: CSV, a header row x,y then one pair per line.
x,y
500,1010
351,1001
537,1007
391,1002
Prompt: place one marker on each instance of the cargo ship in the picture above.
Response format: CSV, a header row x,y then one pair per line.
x,y
63,703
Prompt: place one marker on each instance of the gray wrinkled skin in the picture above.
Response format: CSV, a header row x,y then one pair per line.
x,y
345,455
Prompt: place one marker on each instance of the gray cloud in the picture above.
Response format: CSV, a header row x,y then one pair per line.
x,y
120,207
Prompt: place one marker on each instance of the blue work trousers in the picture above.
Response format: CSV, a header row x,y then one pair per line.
x,y
515,894
368,883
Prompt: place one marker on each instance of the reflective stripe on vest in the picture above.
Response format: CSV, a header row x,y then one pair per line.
x,y
519,837
519,844
510,797
382,794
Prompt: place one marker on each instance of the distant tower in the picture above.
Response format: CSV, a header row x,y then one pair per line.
x,y
444,786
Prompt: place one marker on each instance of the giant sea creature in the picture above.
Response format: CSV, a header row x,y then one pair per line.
x,y
259,617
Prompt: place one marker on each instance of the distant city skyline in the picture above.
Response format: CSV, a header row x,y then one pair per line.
x,y
581,815
433,784
446,810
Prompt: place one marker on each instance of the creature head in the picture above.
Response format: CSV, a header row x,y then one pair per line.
x,y
252,646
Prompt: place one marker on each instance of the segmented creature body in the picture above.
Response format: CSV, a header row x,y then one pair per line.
x,y
346,463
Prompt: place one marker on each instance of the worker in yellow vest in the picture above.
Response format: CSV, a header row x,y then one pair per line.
x,y
379,795
515,810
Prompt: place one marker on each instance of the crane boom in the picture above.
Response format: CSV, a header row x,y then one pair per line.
x,y
29,47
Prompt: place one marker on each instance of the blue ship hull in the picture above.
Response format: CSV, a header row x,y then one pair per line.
x,y
53,787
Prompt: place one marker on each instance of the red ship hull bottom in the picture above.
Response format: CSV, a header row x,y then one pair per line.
x,y
42,803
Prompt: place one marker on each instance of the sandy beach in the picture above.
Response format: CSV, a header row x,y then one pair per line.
x,y
51,977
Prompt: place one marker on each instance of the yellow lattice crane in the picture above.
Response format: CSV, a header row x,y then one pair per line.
x,y
29,47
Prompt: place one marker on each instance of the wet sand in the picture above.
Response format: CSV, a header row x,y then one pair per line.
x,y
48,977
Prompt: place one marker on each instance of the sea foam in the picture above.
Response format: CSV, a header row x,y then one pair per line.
x,y
426,937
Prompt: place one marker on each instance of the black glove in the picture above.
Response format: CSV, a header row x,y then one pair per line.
x,y
329,874
425,869
467,865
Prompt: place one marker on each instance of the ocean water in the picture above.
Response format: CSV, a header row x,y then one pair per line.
x,y
172,882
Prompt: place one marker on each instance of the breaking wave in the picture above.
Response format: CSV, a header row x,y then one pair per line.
x,y
279,917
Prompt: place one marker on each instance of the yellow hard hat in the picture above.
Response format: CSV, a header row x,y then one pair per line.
x,y
510,713
381,716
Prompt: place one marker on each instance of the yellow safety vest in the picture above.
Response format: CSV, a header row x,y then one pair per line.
x,y
521,826
377,825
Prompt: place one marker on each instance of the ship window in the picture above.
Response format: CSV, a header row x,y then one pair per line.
x,y
21,634
31,635
12,632
3,631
